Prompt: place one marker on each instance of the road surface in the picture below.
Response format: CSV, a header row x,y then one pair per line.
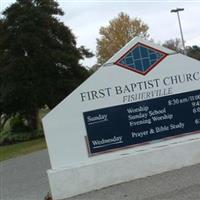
x,y
24,178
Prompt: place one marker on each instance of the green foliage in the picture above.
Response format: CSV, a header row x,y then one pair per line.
x,y
39,60
8,137
194,52
17,124
15,130
176,45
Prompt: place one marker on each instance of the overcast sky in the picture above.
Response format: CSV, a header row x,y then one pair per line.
x,y
85,17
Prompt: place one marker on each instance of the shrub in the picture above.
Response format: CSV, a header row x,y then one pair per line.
x,y
8,138
17,124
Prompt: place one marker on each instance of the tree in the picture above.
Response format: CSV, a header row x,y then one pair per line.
x,y
194,52
39,60
119,31
174,44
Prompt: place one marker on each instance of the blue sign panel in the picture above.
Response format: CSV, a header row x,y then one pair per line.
x,y
141,122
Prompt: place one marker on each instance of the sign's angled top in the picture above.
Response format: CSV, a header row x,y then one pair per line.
x,y
141,58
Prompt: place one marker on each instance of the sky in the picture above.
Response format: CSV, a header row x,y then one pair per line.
x,y
85,17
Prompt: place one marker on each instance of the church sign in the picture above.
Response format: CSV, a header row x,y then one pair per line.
x,y
143,103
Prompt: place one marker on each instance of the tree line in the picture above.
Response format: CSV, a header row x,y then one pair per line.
x,y
122,29
40,60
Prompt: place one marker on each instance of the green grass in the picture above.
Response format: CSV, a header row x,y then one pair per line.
x,y
11,151
14,150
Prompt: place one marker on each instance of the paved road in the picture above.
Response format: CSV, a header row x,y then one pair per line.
x,y
25,178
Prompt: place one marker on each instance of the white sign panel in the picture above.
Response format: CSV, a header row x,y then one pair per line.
x,y
145,98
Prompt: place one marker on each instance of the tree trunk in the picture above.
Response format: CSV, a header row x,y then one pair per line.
x,y
33,119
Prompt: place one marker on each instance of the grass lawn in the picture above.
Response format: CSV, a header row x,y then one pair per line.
x,y
11,151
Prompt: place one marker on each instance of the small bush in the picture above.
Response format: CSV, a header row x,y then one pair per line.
x,y
17,124
17,131
8,138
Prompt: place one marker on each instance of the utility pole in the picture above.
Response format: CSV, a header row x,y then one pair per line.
x,y
179,21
